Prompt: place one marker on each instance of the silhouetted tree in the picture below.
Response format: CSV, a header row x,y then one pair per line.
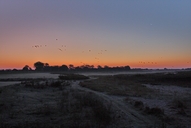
x,y
127,67
54,68
15,69
91,66
99,67
64,67
39,66
26,68
78,68
106,67
46,67
46,64
71,67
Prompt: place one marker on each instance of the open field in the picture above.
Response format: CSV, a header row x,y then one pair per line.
x,y
54,105
156,100
165,95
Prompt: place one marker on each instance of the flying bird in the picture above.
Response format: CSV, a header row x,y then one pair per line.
x,y
60,49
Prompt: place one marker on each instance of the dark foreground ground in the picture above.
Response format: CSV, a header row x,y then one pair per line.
x,y
142,100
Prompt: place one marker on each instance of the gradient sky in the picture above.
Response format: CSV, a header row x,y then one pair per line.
x,y
138,33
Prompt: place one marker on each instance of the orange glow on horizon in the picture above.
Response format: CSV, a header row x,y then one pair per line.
x,y
149,65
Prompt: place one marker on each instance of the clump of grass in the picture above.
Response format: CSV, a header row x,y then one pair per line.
x,y
73,77
102,112
139,104
45,110
33,84
154,111
56,84
180,105
44,84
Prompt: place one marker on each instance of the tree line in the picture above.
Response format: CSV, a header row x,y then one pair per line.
x,y
40,66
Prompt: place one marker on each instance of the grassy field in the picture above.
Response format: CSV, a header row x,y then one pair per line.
x,y
53,104
164,95
141,100
134,84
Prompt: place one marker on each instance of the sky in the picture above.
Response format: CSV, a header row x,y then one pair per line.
x,y
138,33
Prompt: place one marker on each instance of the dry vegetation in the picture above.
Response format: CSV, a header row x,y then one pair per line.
x,y
72,77
171,107
113,101
117,85
52,104
126,84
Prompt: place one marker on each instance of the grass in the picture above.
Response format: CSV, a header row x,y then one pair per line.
x,y
132,85
154,111
73,77
151,111
181,106
44,84
116,86
21,79
180,78
84,108
73,108
101,111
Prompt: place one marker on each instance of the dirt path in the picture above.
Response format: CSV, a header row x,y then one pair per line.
x,y
131,115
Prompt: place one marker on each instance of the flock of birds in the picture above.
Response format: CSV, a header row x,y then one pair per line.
x,y
38,46
147,62
63,48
